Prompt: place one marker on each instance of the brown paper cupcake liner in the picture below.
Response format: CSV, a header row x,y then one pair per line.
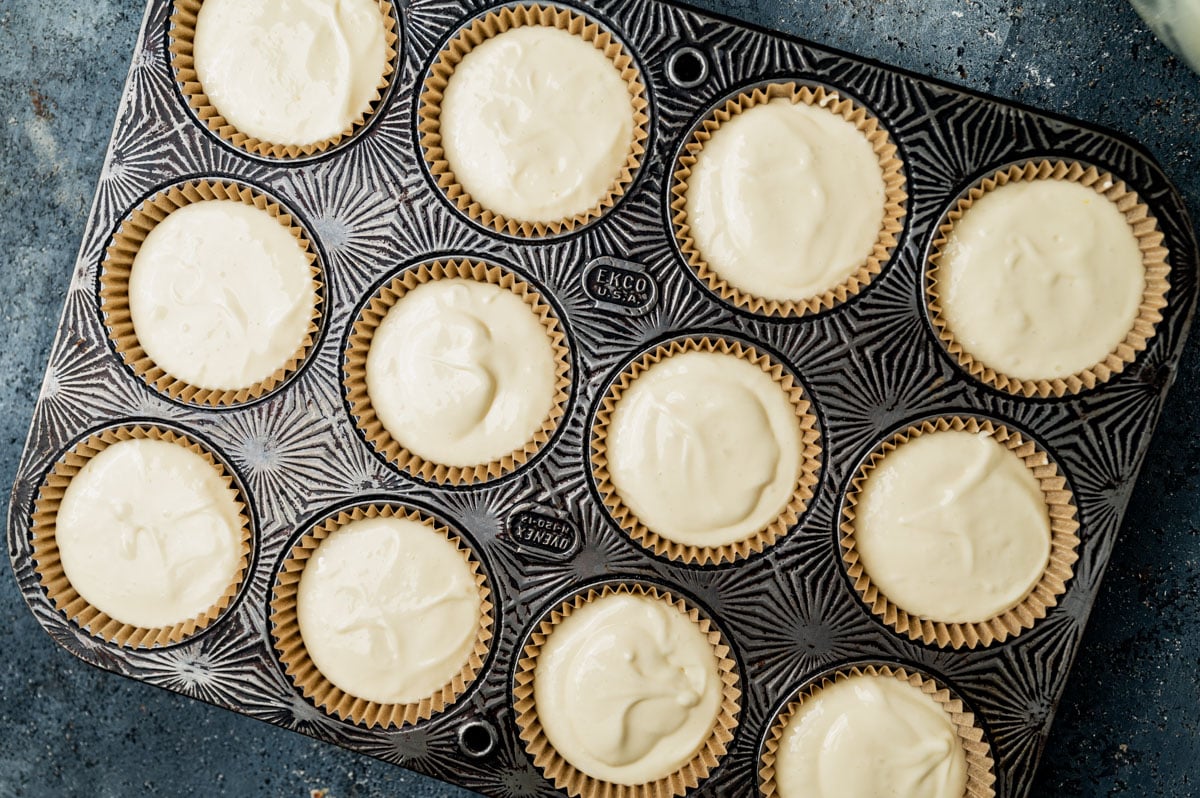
x,y
182,46
355,376
895,198
566,776
118,267
289,644
486,27
1064,544
981,775
48,562
731,552
1154,256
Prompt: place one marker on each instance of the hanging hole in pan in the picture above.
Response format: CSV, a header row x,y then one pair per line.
x,y
477,739
687,67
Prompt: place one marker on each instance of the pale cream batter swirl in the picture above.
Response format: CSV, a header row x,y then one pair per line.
x,y
389,610
953,527
149,533
291,72
1041,279
786,200
627,689
537,124
867,737
705,448
221,295
462,373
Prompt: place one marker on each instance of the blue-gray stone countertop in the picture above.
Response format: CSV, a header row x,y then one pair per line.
x,y
1130,722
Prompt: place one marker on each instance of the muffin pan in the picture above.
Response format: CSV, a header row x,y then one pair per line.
x,y
871,367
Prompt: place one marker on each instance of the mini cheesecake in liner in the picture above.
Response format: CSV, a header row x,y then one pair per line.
x,y
796,425
891,178
375,316
1146,242
980,776
226,311
1063,544
706,749
170,568
298,662
492,27
183,46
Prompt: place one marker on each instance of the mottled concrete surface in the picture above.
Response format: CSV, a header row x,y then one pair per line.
x,y
1130,723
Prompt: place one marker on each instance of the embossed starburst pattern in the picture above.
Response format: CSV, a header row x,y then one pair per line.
x,y
220,668
1019,718
354,221
79,391
281,449
813,628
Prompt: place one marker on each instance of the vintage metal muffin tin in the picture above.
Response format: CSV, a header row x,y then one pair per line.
x,y
620,285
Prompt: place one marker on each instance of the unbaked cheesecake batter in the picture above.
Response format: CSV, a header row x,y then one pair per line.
x,y
461,373
389,610
149,533
627,689
705,448
868,737
786,200
291,72
537,124
953,527
221,295
1041,279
